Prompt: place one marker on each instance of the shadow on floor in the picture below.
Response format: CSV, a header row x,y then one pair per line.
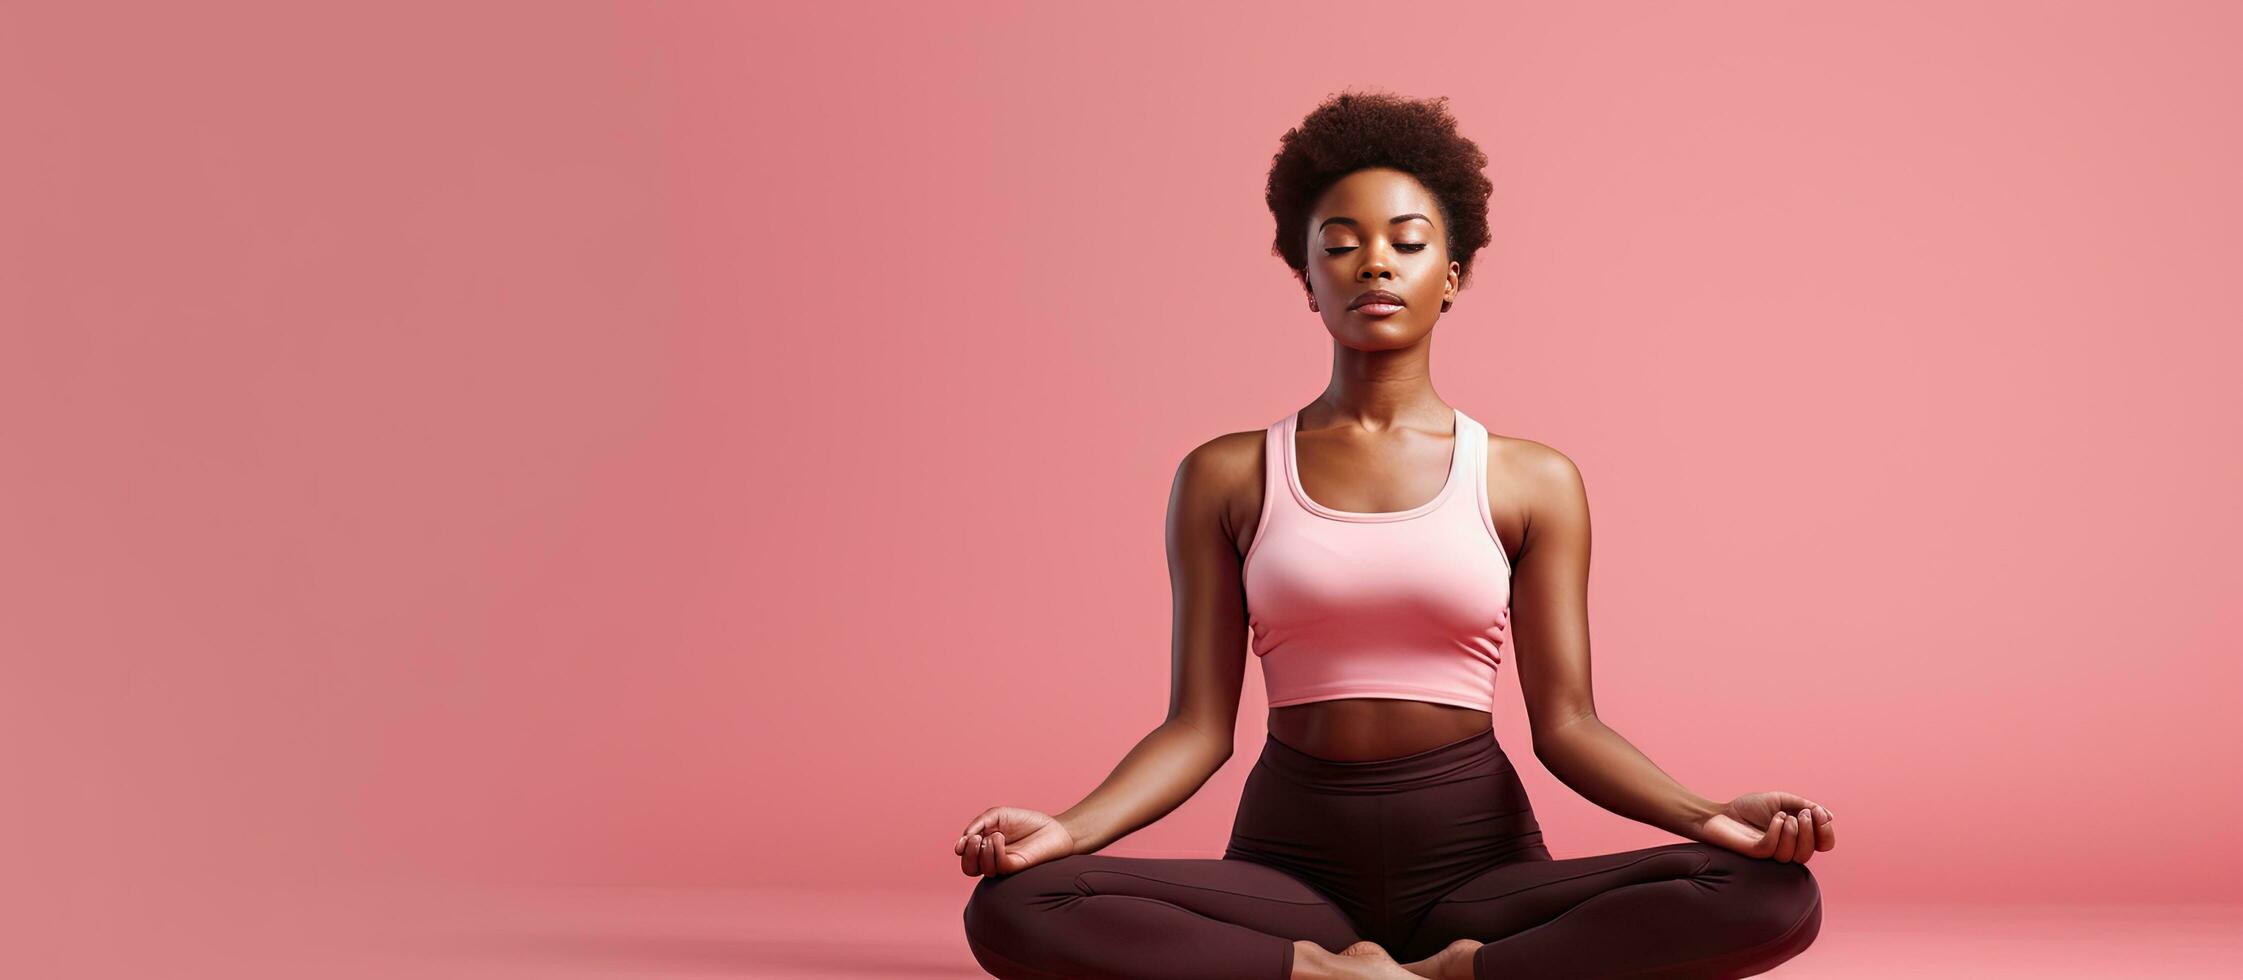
x,y
750,957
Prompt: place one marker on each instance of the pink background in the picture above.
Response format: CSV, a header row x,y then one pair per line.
x,y
726,445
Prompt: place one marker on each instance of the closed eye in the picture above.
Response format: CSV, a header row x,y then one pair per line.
x,y
1411,247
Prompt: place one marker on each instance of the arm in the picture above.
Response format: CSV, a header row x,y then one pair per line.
x,y
1207,657
1550,627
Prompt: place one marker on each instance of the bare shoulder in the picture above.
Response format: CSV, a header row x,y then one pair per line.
x,y
1530,476
1222,479
1227,457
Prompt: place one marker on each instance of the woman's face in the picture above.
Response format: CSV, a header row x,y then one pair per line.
x,y
1378,229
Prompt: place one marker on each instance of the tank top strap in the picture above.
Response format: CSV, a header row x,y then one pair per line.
x,y
1472,441
1276,492
1478,472
1464,462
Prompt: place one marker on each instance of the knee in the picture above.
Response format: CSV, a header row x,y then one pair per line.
x,y
999,912
1781,899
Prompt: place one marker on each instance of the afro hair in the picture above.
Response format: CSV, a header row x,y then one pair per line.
x,y
1354,130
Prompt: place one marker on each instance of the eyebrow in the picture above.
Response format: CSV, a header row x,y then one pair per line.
x,y
1398,219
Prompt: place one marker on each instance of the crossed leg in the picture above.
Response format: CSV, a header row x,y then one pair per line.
x,y
1688,910
1123,918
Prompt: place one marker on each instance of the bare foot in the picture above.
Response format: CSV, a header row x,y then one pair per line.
x,y
1375,961
1453,962
1365,960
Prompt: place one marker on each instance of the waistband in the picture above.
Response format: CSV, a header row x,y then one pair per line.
x,y
1430,767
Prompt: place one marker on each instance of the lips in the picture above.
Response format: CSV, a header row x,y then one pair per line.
x,y
1378,296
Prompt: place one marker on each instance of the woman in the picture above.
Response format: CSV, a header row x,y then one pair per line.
x,y
1364,544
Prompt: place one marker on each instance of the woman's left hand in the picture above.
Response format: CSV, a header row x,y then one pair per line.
x,y
1780,826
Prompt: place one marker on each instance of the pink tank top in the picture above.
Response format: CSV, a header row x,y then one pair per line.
x,y
1409,604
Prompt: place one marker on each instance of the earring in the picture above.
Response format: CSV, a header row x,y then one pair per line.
x,y
1312,307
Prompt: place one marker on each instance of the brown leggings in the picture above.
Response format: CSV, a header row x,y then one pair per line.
x,y
1412,853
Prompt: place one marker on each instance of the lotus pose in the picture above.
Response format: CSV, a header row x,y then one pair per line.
x,y
1380,553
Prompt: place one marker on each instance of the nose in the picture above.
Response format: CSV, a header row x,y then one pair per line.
x,y
1377,264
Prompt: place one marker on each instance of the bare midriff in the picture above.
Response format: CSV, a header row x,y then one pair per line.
x,y
1364,729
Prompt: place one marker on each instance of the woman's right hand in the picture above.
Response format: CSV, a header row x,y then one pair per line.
x,y
1005,839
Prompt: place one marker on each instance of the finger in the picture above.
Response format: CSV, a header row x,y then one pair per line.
x,y
1770,838
1787,837
1806,848
1821,813
1826,834
970,862
997,853
975,826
